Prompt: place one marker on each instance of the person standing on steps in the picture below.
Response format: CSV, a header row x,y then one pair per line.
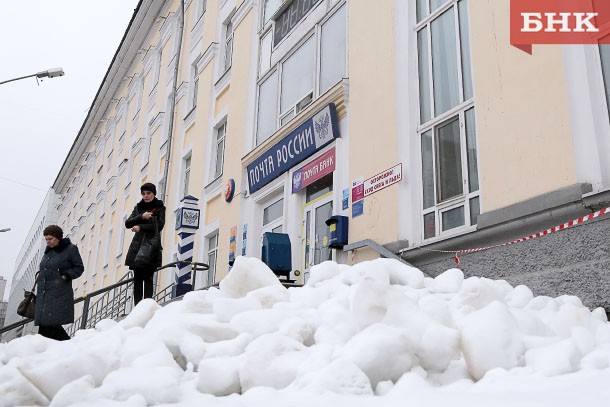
x,y
61,263
146,220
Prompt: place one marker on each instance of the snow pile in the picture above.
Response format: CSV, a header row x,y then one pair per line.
x,y
378,329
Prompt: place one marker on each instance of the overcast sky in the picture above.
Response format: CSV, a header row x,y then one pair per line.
x,y
38,123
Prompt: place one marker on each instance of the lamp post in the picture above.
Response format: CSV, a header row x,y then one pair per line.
x,y
49,73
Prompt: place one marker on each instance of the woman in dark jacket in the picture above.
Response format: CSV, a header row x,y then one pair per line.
x,y
60,265
141,223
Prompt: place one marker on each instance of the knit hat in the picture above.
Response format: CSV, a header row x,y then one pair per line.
x,y
53,230
150,187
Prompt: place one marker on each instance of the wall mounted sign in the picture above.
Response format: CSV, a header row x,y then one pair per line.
x,y
288,17
357,189
357,208
229,190
383,179
345,199
244,240
301,143
232,243
314,170
187,218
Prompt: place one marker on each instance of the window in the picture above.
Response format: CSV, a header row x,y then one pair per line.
x,y
267,110
290,17
186,176
306,73
297,79
195,89
272,217
333,47
228,36
271,6
447,118
202,7
212,257
219,149
265,58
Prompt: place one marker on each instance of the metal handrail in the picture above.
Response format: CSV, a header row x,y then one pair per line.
x,y
83,321
102,308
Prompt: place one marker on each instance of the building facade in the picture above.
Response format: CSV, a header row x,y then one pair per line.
x,y
3,303
415,121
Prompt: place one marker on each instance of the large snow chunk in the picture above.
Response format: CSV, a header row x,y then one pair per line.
x,y
247,274
490,339
341,376
323,272
271,360
381,351
219,376
448,282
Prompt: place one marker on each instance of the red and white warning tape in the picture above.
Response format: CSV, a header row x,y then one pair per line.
x,y
523,239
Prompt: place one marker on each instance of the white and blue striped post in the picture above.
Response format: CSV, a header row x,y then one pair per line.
x,y
187,223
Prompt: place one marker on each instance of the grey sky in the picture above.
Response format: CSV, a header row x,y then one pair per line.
x,y
38,124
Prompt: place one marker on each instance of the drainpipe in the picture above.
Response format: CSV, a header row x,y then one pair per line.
x,y
173,103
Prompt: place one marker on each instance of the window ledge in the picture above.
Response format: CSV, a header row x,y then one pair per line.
x,y
213,189
222,82
189,119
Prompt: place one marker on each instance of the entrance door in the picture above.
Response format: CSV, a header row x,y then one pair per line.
x,y
317,209
317,233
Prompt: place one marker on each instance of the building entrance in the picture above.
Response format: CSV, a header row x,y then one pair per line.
x,y
317,209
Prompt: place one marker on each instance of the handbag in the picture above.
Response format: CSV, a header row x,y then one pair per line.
x,y
146,257
27,306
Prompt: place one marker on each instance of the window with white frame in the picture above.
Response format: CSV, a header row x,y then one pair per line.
x,y
107,251
195,88
212,257
270,8
219,149
273,217
202,4
447,129
313,67
186,176
297,81
228,45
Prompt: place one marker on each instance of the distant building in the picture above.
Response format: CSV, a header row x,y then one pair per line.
x,y
2,302
27,262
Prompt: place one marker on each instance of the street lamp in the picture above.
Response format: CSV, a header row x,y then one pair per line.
x,y
5,230
49,73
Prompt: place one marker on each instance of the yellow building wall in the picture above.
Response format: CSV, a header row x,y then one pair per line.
x,y
235,100
372,116
523,129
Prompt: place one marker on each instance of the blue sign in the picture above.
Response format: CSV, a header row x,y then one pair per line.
x,y
304,141
357,208
345,200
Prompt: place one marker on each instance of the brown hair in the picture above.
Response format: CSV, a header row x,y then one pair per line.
x,y
53,230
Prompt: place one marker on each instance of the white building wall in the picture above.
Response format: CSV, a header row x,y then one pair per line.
x,y
28,260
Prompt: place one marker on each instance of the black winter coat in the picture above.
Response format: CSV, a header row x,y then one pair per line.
x,y
146,228
54,295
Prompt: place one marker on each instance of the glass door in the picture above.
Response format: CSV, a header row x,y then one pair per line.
x,y
317,233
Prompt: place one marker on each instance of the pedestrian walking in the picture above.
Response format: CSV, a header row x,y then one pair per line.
x,y
60,265
144,255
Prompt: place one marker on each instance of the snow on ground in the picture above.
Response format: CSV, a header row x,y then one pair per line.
x,y
375,334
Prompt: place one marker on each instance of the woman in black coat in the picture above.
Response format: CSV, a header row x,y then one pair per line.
x,y
60,265
141,223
